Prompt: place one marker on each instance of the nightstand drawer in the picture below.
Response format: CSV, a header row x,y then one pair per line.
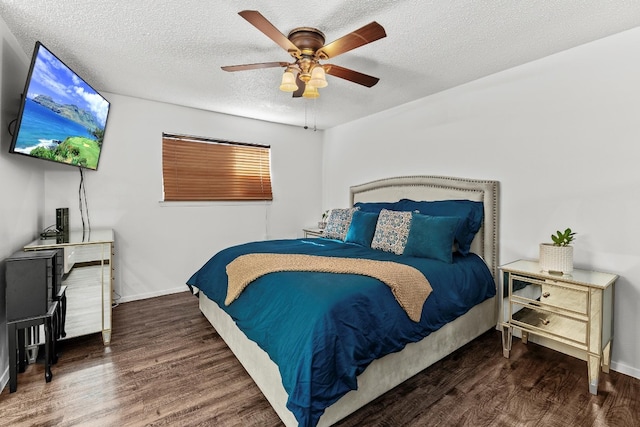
x,y
551,293
561,327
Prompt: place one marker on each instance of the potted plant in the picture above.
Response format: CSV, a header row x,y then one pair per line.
x,y
557,257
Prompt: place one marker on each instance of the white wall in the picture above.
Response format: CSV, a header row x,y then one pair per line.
x,y
159,246
21,182
561,134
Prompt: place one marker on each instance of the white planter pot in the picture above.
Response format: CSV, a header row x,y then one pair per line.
x,y
556,258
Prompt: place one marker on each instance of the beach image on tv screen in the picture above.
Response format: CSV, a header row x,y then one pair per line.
x,y
63,117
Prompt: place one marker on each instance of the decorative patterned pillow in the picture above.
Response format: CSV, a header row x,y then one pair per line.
x,y
338,223
392,231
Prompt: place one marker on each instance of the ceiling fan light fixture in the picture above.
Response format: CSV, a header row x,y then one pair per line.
x,y
318,77
288,83
310,92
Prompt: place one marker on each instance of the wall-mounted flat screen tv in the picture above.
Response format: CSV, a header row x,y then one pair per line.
x,y
61,117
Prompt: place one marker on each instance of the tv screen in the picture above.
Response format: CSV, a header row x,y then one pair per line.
x,y
61,117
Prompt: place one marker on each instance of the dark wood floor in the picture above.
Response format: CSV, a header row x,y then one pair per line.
x,y
166,366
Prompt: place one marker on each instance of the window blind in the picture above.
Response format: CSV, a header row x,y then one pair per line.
x,y
201,169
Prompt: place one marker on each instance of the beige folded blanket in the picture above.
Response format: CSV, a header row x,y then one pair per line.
x,y
409,286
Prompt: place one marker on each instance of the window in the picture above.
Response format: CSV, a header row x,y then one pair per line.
x,y
202,169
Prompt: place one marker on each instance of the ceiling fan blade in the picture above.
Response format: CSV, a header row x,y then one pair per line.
x,y
256,19
352,76
255,66
367,34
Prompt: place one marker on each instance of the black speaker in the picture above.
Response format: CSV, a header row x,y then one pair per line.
x,y
62,220
32,278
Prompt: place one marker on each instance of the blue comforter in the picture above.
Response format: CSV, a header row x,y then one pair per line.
x,y
323,329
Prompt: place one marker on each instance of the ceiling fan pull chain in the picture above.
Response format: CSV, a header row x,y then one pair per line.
x,y
315,109
305,115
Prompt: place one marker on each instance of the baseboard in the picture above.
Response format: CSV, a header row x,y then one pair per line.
x,y
154,294
625,369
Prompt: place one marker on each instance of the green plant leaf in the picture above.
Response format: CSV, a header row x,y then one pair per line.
x,y
563,238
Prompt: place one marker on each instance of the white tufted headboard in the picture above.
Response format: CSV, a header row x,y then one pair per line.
x,y
431,188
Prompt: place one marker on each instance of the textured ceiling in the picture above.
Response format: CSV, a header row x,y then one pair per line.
x,y
172,51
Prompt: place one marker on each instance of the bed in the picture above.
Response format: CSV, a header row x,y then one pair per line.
x,y
390,370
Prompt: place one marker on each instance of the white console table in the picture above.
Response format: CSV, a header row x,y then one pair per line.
x,y
88,275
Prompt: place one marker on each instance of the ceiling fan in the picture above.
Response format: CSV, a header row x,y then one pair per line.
x,y
305,75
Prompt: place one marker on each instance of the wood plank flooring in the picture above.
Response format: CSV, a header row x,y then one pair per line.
x,y
166,366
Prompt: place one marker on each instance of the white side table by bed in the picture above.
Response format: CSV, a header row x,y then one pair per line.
x,y
312,232
571,313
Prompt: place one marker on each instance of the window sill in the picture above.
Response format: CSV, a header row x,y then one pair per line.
x,y
200,204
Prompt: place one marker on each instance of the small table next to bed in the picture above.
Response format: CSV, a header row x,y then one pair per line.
x,y
571,313
312,232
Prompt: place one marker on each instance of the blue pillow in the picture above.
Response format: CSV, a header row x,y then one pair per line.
x,y
362,228
471,214
431,237
377,206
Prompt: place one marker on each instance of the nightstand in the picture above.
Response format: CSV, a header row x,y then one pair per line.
x,y
312,232
571,313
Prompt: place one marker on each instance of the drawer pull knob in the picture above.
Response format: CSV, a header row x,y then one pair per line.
x,y
546,294
545,321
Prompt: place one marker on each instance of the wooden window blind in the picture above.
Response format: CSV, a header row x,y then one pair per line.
x,y
201,169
